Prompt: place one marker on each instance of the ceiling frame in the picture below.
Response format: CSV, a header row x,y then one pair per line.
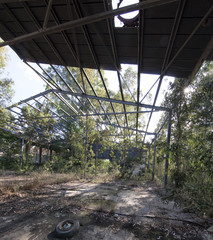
x,y
52,23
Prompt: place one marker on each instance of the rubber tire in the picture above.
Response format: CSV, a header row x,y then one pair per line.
x,y
69,233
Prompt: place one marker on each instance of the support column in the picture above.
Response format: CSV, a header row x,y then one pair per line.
x,y
96,156
153,167
22,151
148,159
168,150
40,155
51,154
48,150
27,152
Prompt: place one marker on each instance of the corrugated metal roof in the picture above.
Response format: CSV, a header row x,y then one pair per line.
x,y
19,18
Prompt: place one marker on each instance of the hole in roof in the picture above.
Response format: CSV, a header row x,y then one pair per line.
x,y
128,19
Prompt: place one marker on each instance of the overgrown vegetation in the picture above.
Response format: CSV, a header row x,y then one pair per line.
x,y
81,146
191,155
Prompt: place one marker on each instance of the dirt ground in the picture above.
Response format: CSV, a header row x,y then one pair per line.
x,y
118,210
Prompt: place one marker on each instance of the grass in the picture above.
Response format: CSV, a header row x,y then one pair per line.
x,y
32,182
13,183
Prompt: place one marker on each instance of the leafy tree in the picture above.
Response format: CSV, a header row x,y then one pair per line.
x,y
191,138
8,141
6,91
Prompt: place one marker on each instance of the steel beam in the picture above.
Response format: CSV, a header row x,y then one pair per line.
x,y
129,128
92,50
73,52
173,34
204,55
87,20
158,108
162,125
22,151
115,54
15,1
110,113
148,159
175,56
97,114
52,111
23,30
47,15
36,22
140,48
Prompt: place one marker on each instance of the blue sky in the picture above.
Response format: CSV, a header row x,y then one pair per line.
x,y
26,81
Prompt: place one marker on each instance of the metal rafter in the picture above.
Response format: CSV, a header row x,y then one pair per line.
x,y
173,34
43,94
115,54
87,20
21,125
73,52
51,111
47,15
182,47
91,48
102,114
129,128
156,108
50,85
24,31
205,54
36,22
172,37
113,100
140,47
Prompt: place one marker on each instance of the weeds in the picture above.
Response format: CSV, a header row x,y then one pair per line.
x,y
32,182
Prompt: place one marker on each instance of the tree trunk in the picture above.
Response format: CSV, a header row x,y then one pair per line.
x,y
51,154
40,155
27,152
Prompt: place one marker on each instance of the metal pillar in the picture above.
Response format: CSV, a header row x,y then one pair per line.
x,y
51,154
48,150
148,159
153,167
167,154
40,155
22,151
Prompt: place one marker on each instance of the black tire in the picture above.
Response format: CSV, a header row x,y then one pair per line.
x,y
67,228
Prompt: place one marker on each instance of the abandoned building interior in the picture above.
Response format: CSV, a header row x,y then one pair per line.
x,y
165,37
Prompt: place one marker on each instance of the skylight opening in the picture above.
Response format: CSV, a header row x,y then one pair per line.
x,y
128,19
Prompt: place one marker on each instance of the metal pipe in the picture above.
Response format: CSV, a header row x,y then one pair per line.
x,y
22,151
156,108
92,50
129,128
113,100
140,51
87,20
162,125
93,114
148,159
182,47
47,14
48,149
